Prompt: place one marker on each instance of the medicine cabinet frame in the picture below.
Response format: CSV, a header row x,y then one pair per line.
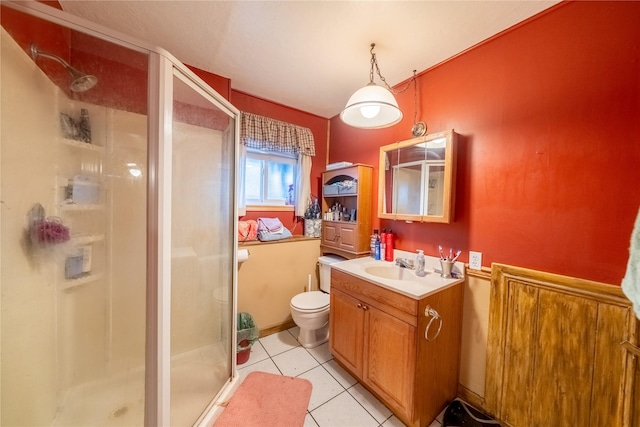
x,y
417,179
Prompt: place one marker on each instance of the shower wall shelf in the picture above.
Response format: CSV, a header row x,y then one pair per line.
x,y
74,207
80,281
87,239
82,145
88,222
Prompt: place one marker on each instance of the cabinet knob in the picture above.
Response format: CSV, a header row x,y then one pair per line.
x,y
364,307
359,305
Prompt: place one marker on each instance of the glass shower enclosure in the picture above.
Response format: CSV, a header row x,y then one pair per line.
x,y
117,229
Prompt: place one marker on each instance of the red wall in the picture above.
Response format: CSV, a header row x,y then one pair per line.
x,y
549,151
318,127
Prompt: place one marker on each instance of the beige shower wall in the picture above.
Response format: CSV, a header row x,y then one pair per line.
x,y
54,337
127,136
28,366
272,275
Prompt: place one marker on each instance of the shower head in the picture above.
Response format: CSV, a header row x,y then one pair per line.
x,y
79,80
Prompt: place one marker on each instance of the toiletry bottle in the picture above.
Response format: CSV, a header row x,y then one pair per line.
x,y
383,244
420,264
372,245
85,126
377,248
389,246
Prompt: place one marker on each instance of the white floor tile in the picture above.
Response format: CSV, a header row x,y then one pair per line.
x,y
435,423
343,411
321,353
295,361
440,416
263,366
338,372
258,354
395,422
325,387
280,342
309,422
295,331
370,402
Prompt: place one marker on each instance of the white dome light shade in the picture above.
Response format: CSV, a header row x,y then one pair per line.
x,y
371,107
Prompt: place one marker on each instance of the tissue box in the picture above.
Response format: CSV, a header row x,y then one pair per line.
x,y
312,227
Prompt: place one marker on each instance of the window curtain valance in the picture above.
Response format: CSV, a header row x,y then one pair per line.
x,y
268,134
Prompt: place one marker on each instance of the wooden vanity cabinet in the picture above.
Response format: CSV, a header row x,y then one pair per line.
x,y
347,238
378,336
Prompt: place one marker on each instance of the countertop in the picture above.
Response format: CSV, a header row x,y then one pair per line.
x,y
402,280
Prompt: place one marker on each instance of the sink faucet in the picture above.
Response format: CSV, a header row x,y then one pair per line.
x,y
404,263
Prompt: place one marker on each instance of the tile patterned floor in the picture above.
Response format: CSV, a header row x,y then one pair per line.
x,y
337,399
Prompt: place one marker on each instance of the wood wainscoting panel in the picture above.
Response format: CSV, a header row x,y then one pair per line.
x,y
563,357
554,353
519,345
636,412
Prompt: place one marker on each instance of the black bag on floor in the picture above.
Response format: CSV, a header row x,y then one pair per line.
x,y
460,414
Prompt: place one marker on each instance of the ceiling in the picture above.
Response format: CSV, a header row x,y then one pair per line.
x,y
309,55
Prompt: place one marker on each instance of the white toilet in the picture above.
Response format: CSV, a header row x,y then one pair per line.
x,y
310,310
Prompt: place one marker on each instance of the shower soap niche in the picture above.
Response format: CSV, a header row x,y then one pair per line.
x,y
83,190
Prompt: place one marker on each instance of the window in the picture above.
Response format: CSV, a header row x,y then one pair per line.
x,y
269,178
280,154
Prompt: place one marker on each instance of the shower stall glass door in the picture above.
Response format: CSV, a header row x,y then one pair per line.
x,y
202,266
117,233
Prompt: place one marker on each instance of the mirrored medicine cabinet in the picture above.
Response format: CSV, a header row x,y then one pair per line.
x,y
417,179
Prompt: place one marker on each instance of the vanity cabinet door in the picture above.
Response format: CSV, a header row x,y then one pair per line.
x,y
346,327
390,359
339,235
330,234
347,240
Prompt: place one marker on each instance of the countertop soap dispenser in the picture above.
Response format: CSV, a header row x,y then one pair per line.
x,y
420,264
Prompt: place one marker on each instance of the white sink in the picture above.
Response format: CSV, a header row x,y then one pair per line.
x,y
402,280
391,272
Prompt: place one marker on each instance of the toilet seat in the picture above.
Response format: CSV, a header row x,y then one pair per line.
x,y
310,301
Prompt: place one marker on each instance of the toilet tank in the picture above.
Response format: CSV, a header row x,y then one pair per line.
x,y
325,270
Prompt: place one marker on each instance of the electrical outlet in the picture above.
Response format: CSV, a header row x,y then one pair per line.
x,y
475,260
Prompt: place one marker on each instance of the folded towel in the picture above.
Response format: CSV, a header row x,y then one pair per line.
x,y
631,280
270,225
247,230
265,236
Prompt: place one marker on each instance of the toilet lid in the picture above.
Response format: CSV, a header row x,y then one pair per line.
x,y
314,300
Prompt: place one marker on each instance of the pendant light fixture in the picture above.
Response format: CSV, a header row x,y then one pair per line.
x,y
372,106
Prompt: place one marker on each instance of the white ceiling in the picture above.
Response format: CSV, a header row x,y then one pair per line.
x,y
310,55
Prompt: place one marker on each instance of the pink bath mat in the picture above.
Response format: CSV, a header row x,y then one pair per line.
x,y
267,400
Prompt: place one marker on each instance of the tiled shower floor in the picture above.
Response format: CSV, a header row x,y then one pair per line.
x,y
337,399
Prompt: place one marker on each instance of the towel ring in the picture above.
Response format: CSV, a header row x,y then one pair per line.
x,y
428,311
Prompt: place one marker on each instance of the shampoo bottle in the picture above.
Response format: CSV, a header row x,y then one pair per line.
x,y
389,247
372,245
85,126
377,248
420,264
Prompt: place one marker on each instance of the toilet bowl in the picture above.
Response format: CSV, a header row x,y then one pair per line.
x,y
310,310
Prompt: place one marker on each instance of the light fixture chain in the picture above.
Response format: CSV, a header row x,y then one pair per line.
x,y
374,63
415,98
